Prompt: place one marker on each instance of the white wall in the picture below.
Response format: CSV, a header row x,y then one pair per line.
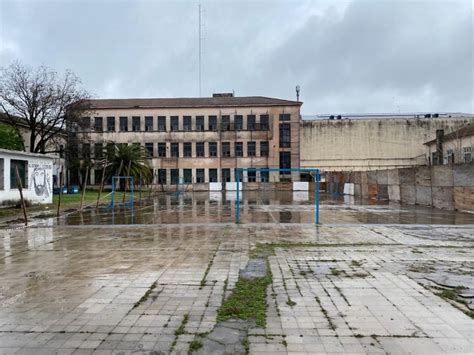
x,y
39,180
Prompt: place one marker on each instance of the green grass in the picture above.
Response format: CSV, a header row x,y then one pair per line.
x,y
195,345
247,301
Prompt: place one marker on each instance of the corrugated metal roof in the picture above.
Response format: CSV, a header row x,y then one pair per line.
x,y
462,132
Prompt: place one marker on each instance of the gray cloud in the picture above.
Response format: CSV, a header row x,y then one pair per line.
x,y
359,56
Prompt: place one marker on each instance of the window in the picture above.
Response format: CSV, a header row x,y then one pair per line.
x,y
187,149
264,176
187,123
251,176
2,173
285,117
162,176
111,124
449,158
149,148
110,148
136,123
98,124
251,122
264,148
123,124
212,123
199,123
162,150
285,160
199,175
225,123
285,135
188,176
162,123
148,123
200,149
174,176
467,154
174,123
251,149
212,149
238,122
175,150
212,175
22,166
434,158
225,175
98,150
264,122
86,150
239,149
85,124
225,149
97,176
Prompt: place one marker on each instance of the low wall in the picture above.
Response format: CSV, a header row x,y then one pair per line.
x,y
447,186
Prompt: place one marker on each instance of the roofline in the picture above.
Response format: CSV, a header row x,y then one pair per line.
x,y
20,152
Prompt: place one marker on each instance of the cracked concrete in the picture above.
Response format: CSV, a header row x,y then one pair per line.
x,y
359,288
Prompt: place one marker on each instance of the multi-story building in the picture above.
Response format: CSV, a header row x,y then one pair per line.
x,y
453,148
201,139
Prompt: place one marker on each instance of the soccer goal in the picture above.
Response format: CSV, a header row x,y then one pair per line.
x,y
125,186
315,173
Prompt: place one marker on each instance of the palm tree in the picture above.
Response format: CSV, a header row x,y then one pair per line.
x,y
127,160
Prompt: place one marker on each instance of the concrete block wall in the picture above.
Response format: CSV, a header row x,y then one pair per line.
x,y
447,186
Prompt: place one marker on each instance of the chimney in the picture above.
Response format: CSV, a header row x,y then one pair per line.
x,y
439,146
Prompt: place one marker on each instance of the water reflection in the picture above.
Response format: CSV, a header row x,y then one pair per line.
x,y
264,207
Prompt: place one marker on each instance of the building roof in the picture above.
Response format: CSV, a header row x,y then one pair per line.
x,y
27,154
466,131
226,101
404,115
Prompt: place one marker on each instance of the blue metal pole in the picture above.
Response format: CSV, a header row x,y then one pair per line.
x,y
132,190
317,196
237,206
113,192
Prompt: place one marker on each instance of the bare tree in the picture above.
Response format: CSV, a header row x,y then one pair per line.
x,y
48,104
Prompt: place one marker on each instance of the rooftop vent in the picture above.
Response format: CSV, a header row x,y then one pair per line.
x,y
331,117
223,94
339,117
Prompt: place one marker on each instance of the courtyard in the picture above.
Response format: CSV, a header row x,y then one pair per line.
x,y
160,278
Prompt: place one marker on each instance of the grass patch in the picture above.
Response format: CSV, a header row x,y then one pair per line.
x,y
145,296
180,330
356,263
195,345
335,271
290,302
248,300
246,344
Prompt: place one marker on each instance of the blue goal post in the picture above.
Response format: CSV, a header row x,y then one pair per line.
x,y
317,179
114,185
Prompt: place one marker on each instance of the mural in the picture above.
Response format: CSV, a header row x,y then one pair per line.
x,y
40,179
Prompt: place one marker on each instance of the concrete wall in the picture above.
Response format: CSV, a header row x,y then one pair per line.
x,y
446,186
38,187
370,144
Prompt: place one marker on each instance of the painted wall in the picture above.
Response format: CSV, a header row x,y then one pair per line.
x,y
39,177
369,144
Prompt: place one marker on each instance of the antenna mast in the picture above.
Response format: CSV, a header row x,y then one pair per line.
x,y
200,50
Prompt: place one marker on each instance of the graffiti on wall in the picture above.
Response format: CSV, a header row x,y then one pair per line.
x,y
41,178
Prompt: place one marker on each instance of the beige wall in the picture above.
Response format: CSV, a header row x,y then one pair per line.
x,y
456,146
206,162
368,144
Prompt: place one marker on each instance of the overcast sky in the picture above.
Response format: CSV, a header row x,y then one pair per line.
x,y
347,56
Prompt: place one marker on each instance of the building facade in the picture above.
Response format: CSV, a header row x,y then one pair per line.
x,y
200,140
452,148
35,171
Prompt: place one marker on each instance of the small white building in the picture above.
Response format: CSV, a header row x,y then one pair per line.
x,y
36,175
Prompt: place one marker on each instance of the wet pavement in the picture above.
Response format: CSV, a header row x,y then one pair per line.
x,y
264,207
88,286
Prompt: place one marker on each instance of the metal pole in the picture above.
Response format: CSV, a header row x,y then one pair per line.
x,y
112,203
61,183
237,212
317,196
20,189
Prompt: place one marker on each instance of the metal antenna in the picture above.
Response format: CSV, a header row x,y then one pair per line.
x,y
297,93
200,51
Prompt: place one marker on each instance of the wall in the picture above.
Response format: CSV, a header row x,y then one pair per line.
x,y
39,177
370,144
445,186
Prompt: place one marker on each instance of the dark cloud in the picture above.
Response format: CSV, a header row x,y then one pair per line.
x,y
359,56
